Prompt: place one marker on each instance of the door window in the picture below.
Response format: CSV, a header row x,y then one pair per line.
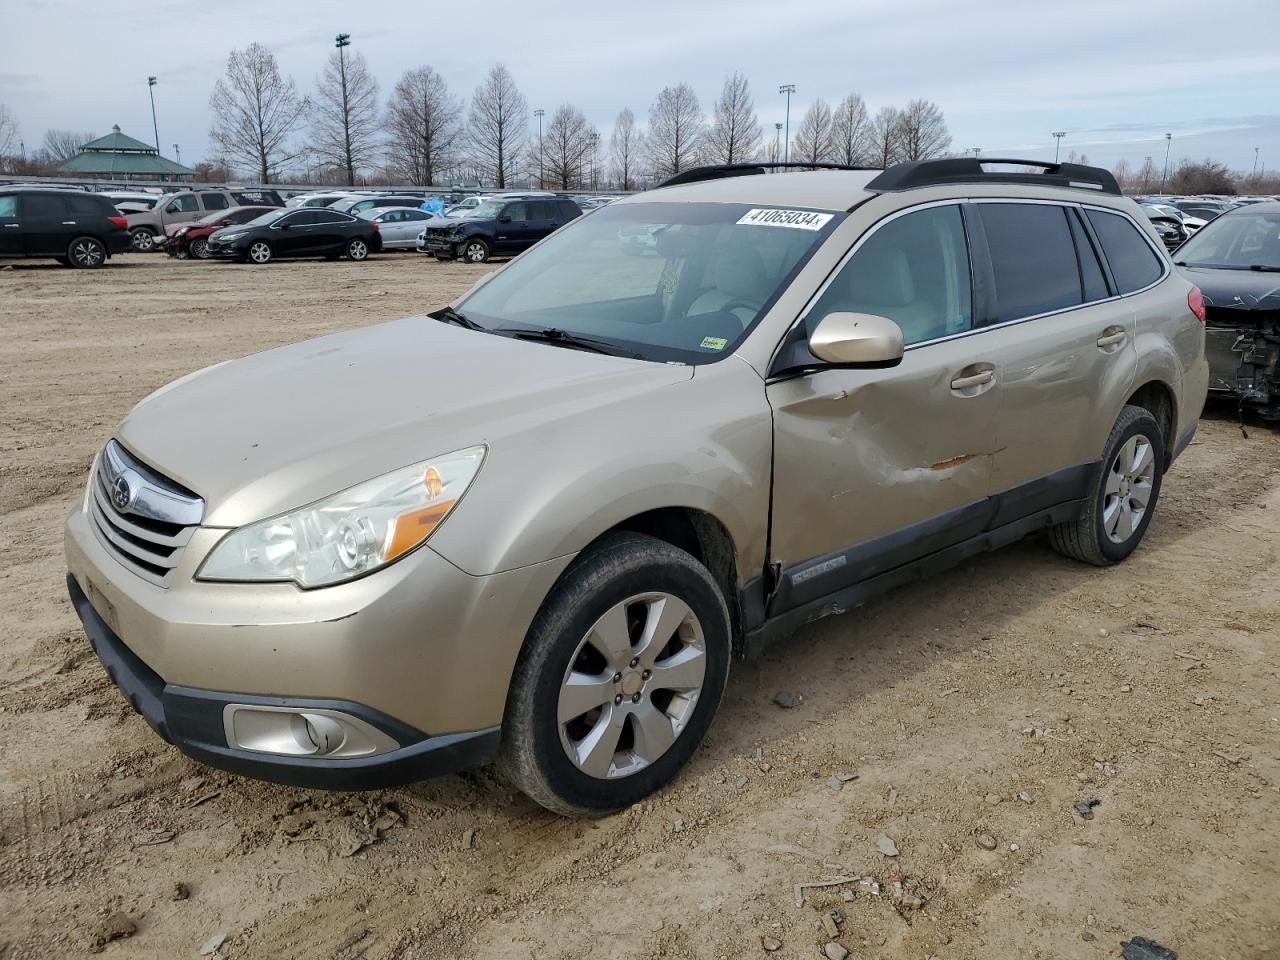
x,y
1134,264
518,212
328,216
1092,282
8,207
214,201
913,270
187,203
1033,259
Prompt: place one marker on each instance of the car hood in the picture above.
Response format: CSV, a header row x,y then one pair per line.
x,y
271,432
1236,289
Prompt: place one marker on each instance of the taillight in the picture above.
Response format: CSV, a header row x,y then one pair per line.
x,y
377,226
119,222
1195,300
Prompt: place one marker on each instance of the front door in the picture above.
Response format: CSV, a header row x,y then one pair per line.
x,y
874,468
183,208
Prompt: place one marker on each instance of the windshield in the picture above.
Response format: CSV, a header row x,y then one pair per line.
x,y
488,209
213,217
1239,241
267,218
667,281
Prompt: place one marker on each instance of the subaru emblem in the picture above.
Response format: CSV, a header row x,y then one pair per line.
x,y
121,493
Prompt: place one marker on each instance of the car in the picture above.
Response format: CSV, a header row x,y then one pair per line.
x,y
465,207
1169,227
1204,210
1189,223
318,199
499,227
296,232
399,226
536,526
1235,260
148,228
74,228
128,202
358,205
192,239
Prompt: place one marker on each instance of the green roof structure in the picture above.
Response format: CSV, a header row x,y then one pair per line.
x,y
120,155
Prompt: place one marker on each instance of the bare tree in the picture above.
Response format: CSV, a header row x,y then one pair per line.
x,y
497,124
344,116
922,131
567,146
61,145
675,130
256,111
1205,176
884,138
1148,177
851,132
425,123
815,137
624,147
1123,173
8,130
734,136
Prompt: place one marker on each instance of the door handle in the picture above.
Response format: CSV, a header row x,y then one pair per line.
x,y
13,226
68,223
973,380
1111,339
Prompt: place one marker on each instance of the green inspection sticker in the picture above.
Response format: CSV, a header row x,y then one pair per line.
x,y
714,343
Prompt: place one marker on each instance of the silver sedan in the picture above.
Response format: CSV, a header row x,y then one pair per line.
x,y
399,226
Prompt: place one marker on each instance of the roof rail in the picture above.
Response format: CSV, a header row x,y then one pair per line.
x,y
929,173
721,170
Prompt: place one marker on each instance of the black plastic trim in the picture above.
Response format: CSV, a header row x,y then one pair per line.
x,y
191,720
932,173
722,171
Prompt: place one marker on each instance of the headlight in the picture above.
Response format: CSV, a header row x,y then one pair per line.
x,y
350,533
230,236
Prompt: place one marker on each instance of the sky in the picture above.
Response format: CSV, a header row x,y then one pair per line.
x,y
1115,76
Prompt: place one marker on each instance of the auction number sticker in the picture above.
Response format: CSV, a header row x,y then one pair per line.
x,y
795,219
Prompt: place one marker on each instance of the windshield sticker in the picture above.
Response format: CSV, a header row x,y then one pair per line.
x,y
795,219
714,343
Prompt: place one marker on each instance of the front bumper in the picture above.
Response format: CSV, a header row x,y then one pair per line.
x,y
192,720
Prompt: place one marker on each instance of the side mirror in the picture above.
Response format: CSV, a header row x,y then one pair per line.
x,y
857,339
285,226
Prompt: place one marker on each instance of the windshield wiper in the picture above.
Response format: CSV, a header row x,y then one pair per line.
x,y
450,315
562,338
1264,268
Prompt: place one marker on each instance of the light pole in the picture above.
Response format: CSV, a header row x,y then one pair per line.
x,y
777,142
1168,142
977,152
595,140
177,154
151,89
1057,144
342,41
540,113
1255,162
788,89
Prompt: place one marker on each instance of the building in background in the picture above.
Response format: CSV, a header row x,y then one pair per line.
x,y
120,157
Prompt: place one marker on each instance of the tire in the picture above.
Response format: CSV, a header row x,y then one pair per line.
x,y
1099,537
199,248
357,249
260,252
647,730
475,250
182,253
86,253
142,239
65,261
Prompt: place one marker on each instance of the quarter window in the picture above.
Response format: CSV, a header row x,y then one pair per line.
x,y
913,270
1092,281
214,201
1134,264
1032,257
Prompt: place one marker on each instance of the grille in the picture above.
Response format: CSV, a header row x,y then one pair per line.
x,y
142,518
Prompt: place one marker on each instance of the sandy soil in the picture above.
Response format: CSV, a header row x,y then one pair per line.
x,y
984,704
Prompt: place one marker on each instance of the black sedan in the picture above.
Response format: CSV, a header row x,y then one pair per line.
x,y
1235,261
304,232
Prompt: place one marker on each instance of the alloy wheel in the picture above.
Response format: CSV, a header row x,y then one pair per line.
x,y
632,685
1128,488
260,251
357,250
200,248
475,252
143,241
87,252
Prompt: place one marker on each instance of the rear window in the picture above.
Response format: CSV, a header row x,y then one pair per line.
x,y
568,209
214,201
1134,264
1033,259
88,206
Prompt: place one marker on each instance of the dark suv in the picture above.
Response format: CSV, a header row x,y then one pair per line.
x,y
499,227
76,229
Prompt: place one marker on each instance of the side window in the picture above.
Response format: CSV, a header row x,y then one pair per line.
x,y
518,212
43,206
8,206
244,216
327,216
300,218
541,210
1092,280
214,201
1134,264
87,206
187,203
913,270
1032,257
568,209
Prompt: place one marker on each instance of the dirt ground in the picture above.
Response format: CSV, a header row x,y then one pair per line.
x,y
978,707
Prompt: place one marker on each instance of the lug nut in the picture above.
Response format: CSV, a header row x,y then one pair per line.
x,y
647,674
636,698
617,678
617,700
634,661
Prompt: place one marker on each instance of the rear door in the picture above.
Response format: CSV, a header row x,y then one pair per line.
x,y
542,220
11,244
1063,345
47,223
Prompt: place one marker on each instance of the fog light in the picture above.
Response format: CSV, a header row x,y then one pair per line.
x,y
301,732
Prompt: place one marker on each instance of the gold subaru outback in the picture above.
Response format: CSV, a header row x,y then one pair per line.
x,y
536,526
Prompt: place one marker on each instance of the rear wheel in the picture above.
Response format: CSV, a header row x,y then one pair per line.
x,y
87,253
199,248
357,249
619,678
1124,495
475,250
144,241
260,251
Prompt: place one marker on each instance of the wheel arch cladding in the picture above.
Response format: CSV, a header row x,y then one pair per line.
x,y
1157,398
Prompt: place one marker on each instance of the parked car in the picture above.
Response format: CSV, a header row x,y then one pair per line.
x,y
465,207
127,201
76,229
499,227
1205,210
192,239
537,525
306,232
317,199
399,226
1172,232
1235,260
187,206
358,205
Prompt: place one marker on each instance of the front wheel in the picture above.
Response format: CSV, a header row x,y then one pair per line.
x,y
1123,498
357,249
475,250
199,248
619,678
87,253
260,252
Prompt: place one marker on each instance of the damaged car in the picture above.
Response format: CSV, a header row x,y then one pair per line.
x,y
1235,261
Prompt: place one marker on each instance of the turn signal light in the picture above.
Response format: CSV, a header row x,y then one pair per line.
x,y
1195,300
